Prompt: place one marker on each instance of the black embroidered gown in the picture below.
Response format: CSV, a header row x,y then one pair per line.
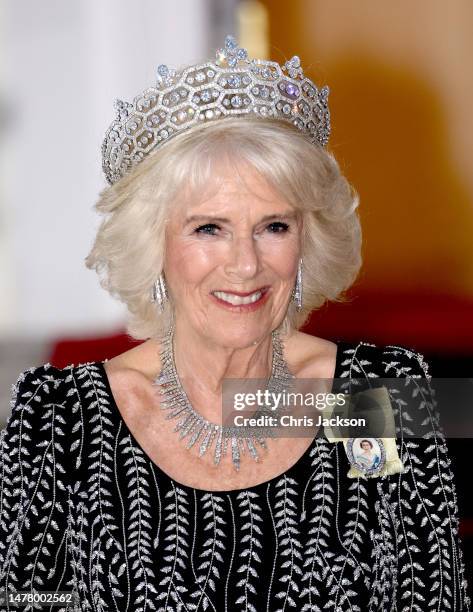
x,y
83,509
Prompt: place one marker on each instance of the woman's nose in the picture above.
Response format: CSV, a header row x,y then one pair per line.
x,y
243,258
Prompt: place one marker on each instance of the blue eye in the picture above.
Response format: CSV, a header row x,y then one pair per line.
x,y
208,228
278,227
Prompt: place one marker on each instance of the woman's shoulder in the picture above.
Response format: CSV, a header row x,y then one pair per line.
x,y
45,377
309,356
39,418
314,357
385,360
138,363
38,388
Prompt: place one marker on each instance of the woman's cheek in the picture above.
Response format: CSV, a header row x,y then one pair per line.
x,y
192,259
282,255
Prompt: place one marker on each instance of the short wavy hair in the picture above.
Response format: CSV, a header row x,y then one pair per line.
x,y
128,252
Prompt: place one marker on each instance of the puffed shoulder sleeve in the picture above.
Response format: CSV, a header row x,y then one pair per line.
x,y
417,542
33,489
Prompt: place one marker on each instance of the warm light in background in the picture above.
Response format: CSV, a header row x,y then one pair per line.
x,y
253,28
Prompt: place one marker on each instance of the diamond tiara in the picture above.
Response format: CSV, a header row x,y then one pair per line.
x,y
230,85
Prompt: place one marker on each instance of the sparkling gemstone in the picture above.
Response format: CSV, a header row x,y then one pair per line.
x,y
174,98
264,110
226,102
206,97
163,70
266,73
190,111
183,93
255,90
246,80
181,115
210,73
199,77
215,93
236,101
234,81
144,140
230,42
286,109
164,133
209,114
190,80
292,90
196,99
265,92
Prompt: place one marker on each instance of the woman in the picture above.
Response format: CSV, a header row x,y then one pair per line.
x,y
367,457
224,227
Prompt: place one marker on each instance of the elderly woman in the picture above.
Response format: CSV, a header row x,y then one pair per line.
x,y
226,223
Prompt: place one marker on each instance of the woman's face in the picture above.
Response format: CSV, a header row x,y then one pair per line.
x,y
366,446
231,260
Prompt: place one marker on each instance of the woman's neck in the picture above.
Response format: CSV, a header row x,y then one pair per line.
x,y
209,363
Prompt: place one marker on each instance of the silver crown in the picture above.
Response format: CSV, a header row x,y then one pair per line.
x,y
230,85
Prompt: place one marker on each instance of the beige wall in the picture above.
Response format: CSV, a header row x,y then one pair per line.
x,y
401,98
432,37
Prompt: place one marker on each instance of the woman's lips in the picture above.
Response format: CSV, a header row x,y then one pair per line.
x,y
237,301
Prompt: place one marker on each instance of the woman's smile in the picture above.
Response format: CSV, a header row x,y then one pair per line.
x,y
241,302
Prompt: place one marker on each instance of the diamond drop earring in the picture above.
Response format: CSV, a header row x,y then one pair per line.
x,y
159,293
297,291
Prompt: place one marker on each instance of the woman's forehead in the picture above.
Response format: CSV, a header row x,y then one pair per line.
x,y
232,205
230,189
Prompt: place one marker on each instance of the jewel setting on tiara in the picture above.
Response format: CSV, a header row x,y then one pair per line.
x,y
230,85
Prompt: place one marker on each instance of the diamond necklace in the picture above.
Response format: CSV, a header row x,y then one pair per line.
x,y
175,400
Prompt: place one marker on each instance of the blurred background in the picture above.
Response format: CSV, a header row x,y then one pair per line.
x,y
401,98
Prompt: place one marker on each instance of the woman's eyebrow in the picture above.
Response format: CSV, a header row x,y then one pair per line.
x,y
199,218
287,216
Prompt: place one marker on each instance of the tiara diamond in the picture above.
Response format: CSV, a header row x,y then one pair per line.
x,y
230,85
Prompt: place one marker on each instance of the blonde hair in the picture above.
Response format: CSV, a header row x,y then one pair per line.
x,y
128,252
